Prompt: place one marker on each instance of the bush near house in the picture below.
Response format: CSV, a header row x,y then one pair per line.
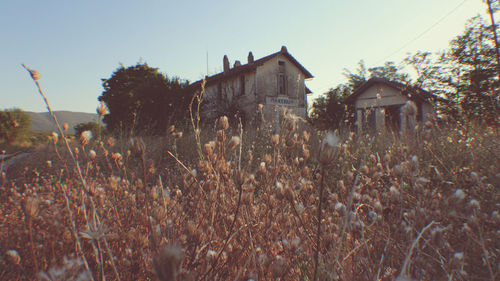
x,y
89,126
14,125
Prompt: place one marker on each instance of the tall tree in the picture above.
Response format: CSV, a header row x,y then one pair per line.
x,y
466,73
492,8
328,111
140,99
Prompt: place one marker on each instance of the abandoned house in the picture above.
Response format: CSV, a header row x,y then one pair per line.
x,y
383,104
267,84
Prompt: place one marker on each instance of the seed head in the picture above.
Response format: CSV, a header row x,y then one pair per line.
x,y
474,204
211,255
474,177
116,156
223,123
35,75
55,137
85,137
31,207
102,110
92,154
138,147
278,267
167,264
306,136
458,256
13,256
275,139
410,109
262,168
459,194
328,149
234,142
208,148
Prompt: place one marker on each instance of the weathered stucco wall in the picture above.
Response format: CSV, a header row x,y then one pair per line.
x,y
230,92
267,88
388,96
261,87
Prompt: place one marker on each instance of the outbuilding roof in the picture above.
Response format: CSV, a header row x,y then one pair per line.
x,y
412,93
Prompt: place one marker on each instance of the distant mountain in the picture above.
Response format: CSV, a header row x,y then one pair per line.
x,y
42,121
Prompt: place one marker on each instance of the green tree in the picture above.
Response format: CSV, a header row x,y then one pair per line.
x,y
466,73
140,99
329,111
14,125
87,126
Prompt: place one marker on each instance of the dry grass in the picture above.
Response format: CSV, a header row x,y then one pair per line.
x,y
423,207
221,222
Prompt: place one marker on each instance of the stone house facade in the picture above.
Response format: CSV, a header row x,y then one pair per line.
x,y
270,83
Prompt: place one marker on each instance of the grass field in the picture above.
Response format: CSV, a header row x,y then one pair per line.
x,y
236,205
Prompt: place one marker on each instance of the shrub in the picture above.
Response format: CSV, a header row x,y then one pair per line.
x,y
14,125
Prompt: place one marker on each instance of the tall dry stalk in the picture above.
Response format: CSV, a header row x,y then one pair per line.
x,y
35,76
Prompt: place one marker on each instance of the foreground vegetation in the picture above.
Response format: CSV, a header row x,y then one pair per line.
x,y
233,205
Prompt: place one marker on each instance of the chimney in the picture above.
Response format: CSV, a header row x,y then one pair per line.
x,y
226,63
237,63
283,49
250,57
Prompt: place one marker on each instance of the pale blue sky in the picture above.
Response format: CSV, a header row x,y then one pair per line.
x,y
73,44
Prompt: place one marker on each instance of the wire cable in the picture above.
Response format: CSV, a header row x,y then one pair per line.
x,y
424,32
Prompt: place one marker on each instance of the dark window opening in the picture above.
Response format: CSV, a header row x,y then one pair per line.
x,y
420,116
219,93
281,84
368,120
393,118
242,85
281,66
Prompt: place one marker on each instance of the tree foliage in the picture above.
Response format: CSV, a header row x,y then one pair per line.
x,y
329,111
140,99
14,125
466,73
87,126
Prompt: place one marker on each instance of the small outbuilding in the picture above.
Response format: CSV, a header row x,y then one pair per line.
x,y
383,104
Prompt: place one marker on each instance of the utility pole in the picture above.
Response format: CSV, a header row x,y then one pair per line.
x,y
494,27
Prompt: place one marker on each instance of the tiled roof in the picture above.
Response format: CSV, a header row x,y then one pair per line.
x,y
249,67
413,93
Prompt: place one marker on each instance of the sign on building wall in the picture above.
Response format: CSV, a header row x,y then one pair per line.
x,y
283,101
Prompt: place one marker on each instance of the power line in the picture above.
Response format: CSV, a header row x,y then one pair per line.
x,y
424,32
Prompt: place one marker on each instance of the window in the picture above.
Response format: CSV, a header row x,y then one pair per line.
x,y
242,85
420,116
281,84
281,66
368,120
281,78
393,118
219,93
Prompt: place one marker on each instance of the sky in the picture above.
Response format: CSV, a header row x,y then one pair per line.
x,y
75,44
